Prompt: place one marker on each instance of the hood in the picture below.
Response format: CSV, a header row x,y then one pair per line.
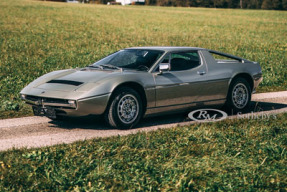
x,y
86,76
76,83
72,80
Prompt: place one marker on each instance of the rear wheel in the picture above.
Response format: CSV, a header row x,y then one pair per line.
x,y
239,95
125,109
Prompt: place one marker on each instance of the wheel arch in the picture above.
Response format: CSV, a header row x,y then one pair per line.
x,y
135,86
245,76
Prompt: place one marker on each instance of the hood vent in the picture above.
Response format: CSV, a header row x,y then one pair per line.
x,y
66,82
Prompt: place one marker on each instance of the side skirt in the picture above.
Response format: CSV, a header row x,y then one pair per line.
x,y
183,107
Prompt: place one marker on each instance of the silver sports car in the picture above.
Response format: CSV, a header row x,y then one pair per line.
x,y
137,82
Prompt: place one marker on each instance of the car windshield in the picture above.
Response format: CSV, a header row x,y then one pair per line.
x,y
136,59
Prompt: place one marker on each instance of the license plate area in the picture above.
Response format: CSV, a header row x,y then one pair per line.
x,y
44,111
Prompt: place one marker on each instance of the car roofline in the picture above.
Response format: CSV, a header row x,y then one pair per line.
x,y
177,48
168,49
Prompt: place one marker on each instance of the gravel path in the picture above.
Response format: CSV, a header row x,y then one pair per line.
x,y
33,132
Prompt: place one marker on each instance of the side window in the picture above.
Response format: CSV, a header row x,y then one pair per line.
x,y
223,59
166,59
184,61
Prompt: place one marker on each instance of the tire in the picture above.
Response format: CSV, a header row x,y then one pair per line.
x,y
239,96
125,109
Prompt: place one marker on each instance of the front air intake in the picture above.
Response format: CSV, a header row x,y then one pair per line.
x,y
66,82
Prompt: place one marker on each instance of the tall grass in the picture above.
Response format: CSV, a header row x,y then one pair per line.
x,y
37,37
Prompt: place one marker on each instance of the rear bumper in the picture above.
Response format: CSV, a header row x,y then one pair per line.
x,y
95,105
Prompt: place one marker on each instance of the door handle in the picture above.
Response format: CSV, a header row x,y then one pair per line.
x,y
201,72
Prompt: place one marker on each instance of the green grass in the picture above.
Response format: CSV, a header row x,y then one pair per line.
x,y
37,37
232,155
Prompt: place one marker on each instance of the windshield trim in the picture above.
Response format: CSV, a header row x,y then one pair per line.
x,y
160,52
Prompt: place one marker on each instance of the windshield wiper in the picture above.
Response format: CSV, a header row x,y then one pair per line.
x,y
110,66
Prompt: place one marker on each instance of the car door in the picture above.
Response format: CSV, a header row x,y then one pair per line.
x,y
181,85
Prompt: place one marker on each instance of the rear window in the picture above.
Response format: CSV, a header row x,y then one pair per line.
x,y
224,59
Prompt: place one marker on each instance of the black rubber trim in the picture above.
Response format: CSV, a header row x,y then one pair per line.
x,y
186,103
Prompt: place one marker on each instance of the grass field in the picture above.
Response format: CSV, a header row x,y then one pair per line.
x,y
37,37
232,155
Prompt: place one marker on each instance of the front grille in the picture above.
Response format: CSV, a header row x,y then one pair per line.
x,y
32,98
48,100
51,100
56,103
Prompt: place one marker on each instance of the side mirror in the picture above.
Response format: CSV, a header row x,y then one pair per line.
x,y
163,67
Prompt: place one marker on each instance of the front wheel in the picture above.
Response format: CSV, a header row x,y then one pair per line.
x,y
239,95
125,109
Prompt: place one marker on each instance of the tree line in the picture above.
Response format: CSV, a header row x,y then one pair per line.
x,y
245,4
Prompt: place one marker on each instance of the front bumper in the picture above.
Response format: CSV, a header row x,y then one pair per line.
x,y
95,105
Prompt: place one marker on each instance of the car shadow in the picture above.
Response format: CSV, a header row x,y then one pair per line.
x,y
265,106
87,122
98,122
